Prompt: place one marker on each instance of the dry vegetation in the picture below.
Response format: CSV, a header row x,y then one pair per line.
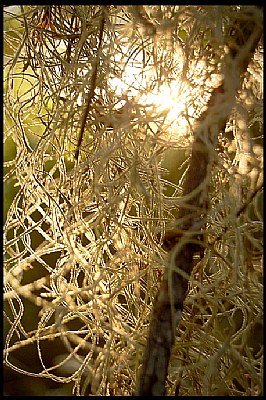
x,y
87,163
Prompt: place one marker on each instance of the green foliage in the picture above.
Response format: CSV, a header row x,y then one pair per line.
x,y
182,34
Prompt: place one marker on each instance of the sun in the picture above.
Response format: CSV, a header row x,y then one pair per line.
x,y
168,99
171,99
167,84
178,93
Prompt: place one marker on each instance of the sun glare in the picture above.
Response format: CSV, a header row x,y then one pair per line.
x,y
167,99
161,90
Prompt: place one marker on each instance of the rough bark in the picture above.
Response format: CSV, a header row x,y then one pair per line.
x,y
167,309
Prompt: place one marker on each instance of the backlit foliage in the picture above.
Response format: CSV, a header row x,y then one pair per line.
x,y
83,255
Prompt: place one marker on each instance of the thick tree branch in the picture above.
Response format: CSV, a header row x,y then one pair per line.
x,y
168,306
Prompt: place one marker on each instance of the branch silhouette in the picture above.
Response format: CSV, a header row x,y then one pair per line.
x,y
92,84
167,310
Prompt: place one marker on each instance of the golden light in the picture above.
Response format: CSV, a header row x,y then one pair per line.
x,y
168,98
177,100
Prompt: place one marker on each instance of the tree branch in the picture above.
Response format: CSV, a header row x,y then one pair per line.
x,y
168,306
92,85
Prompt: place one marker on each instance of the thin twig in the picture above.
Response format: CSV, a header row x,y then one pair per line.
x,y
92,86
246,204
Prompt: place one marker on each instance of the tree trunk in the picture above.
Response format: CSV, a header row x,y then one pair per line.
x,y
167,309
